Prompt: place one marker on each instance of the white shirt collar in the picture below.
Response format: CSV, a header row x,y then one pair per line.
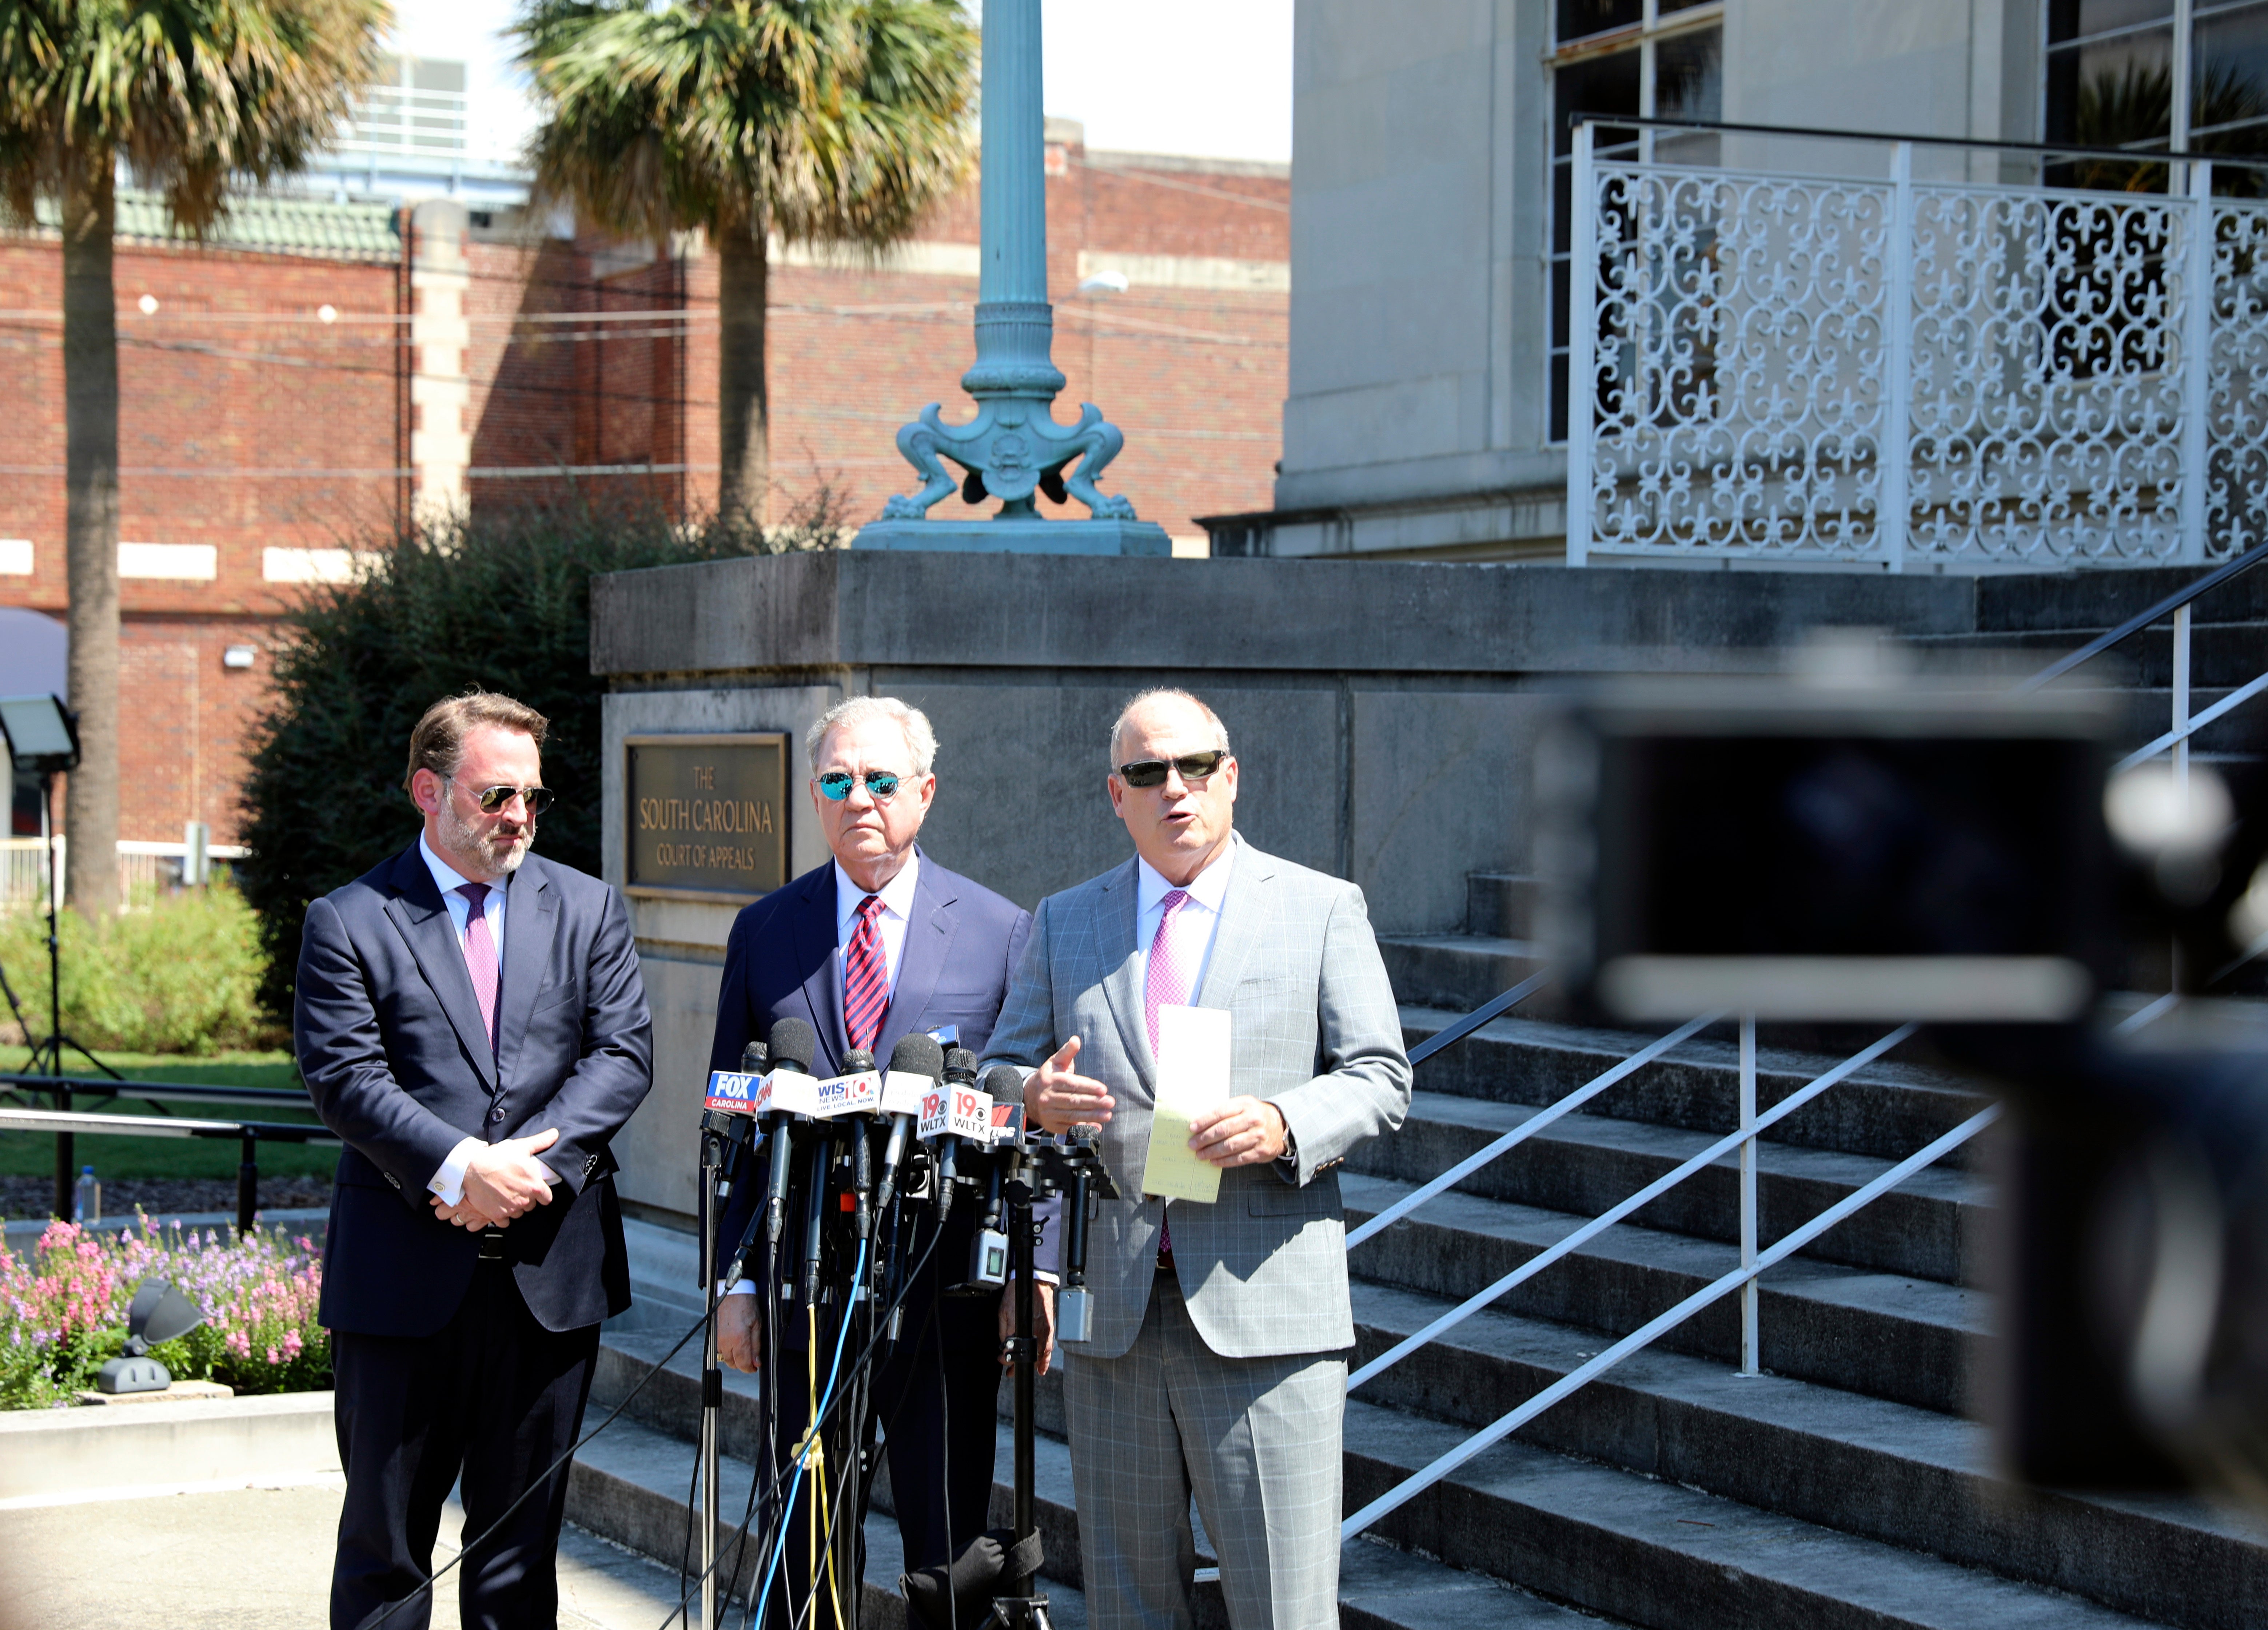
x,y
897,896
1207,888
447,878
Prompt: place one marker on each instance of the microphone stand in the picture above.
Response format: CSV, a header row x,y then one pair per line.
x,y
712,1377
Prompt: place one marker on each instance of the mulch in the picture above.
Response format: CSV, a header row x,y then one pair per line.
x,y
165,1197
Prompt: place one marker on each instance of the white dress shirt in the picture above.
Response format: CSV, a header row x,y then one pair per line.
x,y
897,898
1199,919
449,1181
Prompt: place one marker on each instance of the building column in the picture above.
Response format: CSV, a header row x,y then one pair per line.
x,y
440,438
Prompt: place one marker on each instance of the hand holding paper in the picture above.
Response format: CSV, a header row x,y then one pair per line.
x,y
1193,1056
1243,1131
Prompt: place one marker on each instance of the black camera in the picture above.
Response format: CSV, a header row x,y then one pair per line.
x,y
1862,846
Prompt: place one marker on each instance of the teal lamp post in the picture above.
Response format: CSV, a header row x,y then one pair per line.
x,y
1014,447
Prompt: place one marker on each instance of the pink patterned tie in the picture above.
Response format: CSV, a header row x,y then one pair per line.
x,y
481,955
1166,984
865,978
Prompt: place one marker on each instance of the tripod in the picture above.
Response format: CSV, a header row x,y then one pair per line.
x,y
51,1049
1072,1167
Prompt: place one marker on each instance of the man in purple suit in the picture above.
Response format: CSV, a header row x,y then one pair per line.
x,y
880,943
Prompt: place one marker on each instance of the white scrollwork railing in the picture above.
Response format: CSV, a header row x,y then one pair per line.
x,y
1899,373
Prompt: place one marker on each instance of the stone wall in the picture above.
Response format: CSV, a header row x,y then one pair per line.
x,y
1383,715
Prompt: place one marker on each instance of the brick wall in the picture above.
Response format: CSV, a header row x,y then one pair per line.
x,y
250,423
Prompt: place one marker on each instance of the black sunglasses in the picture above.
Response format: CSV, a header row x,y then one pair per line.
x,y
1151,771
881,784
492,799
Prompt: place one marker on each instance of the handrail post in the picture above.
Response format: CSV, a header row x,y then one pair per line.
x,y
1749,1192
248,1182
1583,340
1894,475
2197,362
2181,698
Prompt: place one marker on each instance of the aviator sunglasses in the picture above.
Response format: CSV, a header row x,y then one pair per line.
x,y
491,799
881,784
1151,771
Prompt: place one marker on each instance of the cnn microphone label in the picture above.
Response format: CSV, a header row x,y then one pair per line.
x,y
731,1090
903,1092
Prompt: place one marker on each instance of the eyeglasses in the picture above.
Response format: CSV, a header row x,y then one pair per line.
x,y
1151,771
881,784
491,799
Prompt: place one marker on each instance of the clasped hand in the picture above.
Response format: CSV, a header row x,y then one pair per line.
x,y
502,1180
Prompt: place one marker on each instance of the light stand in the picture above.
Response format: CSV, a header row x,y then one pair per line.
x,y
42,736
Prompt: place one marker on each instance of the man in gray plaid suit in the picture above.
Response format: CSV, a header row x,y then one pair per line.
x,y
1216,1360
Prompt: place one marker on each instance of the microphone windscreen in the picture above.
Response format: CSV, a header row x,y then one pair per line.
x,y
917,1054
856,1060
960,1059
1004,1082
794,1042
754,1057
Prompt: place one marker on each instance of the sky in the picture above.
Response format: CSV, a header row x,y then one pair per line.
x,y
1212,78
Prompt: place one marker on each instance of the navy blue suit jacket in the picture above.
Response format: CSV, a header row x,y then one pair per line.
x,y
962,945
393,1052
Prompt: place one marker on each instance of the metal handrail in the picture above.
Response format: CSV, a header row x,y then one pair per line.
x,y
154,1092
248,1134
2068,150
2135,624
1479,1017
1606,1219
1506,1425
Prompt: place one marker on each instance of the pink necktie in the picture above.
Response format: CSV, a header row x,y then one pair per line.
x,y
1166,984
481,955
865,978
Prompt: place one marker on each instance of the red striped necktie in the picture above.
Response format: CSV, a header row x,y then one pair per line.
x,y
865,978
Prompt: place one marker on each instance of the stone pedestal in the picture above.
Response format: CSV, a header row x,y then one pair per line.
x,y
1020,537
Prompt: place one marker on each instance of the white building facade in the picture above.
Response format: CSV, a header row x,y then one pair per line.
x,y
1959,353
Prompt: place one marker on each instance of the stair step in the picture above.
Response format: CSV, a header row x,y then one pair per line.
x,y
1646,1551
1459,972
1585,1164
1501,904
1886,1110
2092,601
1883,1470
1888,1336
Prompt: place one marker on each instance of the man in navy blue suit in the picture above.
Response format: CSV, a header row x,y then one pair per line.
x,y
880,943
469,1018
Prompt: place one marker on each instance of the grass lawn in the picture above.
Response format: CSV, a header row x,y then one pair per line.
x,y
26,1155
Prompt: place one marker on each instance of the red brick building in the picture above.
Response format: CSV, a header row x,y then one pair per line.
x,y
293,390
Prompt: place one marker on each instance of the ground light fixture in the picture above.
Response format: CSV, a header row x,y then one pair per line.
x,y
159,1313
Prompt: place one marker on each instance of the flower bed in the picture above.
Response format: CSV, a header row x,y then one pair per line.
x,y
63,1311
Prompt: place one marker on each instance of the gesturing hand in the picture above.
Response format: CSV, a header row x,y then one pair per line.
x,y
1243,1131
1059,1099
503,1180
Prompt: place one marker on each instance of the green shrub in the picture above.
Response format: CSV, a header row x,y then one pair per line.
x,y
499,601
180,976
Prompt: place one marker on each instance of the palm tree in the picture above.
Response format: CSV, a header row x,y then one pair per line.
x,y
195,97
822,121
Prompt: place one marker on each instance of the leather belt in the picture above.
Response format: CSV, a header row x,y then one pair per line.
x,y
491,1244
1165,1260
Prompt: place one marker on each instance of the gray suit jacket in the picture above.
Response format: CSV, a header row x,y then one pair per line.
x,y
1314,1031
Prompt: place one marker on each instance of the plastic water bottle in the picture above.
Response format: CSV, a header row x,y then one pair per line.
x,y
86,1203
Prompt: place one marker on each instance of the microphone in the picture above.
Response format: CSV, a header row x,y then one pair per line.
x,y
739,1126
916,1064
1004,1084
794,1043
855,1062
960,1072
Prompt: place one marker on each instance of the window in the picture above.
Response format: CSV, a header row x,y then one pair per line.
x,y
1652,58
2190,75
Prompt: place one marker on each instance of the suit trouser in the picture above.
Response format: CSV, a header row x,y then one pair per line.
x,y
937,1402
1258,1440
493,1396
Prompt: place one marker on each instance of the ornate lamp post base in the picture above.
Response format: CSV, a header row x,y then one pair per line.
x,y
1013,449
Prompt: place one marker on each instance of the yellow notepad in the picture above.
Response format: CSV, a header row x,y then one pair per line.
x,y
1192,1078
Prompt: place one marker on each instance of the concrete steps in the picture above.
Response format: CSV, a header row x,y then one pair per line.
x,y
1917,1479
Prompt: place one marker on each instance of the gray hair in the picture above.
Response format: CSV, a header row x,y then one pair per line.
x,y
921,740
1159,694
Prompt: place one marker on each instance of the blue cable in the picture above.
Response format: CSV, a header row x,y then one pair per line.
x,y
827,1396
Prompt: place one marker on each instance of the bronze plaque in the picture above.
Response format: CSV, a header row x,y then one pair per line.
x,y
707,816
